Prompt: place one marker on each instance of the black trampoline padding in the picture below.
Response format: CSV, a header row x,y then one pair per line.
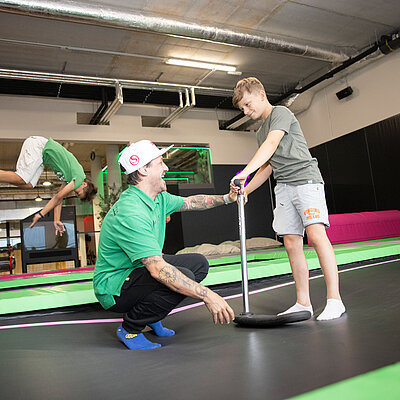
x,y
206,361
267,321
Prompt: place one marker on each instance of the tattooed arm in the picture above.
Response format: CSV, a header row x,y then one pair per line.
x,y
171,277
205,201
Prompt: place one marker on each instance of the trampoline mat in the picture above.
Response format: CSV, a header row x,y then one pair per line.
x,y
203,360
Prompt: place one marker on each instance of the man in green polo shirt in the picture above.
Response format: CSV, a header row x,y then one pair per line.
x,y
132,276
37,152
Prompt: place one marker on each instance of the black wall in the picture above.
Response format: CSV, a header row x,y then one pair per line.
x,y
221,223
361,169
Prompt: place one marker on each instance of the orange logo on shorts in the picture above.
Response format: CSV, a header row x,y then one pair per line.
x,y
312,213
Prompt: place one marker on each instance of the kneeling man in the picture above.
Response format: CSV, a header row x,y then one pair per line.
x,y
132,276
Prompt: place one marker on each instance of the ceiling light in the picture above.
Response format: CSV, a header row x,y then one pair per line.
x,y
199,64
38,198
46,182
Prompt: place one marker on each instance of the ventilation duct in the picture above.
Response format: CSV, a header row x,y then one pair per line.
x,y
99,14
386,44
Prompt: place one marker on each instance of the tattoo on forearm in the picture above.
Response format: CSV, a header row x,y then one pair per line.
x,y
167,274
201,291
202,202
172,277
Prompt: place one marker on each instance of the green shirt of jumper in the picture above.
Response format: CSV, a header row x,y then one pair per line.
x,y
127,235
63,163
70,172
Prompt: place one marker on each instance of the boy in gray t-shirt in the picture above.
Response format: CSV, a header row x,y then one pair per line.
x,y
299,193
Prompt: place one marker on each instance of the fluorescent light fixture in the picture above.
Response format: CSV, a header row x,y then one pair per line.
x,y
199,64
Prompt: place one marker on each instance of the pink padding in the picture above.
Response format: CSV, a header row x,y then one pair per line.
x,y
358,227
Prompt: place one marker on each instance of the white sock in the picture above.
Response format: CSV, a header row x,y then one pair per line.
x,y
297,308
334,309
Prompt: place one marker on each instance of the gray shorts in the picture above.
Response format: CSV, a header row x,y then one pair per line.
x,y
298,207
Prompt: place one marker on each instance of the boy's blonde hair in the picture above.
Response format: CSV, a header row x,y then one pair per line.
x,y
245,85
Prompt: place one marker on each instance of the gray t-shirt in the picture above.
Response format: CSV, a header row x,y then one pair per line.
x,y
292,162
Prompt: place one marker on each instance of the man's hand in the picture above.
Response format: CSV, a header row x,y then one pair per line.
x,y
233,193
219,308
36,218
236,189
60,228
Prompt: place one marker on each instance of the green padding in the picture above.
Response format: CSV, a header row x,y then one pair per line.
x,y
60,277
49,297
57,277
278,263
225,270
383,383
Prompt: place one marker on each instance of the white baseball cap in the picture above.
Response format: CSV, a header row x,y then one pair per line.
x,y
139,154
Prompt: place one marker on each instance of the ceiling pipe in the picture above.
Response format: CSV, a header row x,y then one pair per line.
x,y
382,45
98,81
113,17
386,44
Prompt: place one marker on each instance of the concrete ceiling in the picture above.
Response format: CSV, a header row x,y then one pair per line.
x,y
50,45
63,47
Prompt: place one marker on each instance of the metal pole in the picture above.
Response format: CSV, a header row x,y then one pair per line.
x,y
243,255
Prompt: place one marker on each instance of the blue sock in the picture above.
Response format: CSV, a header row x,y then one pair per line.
x,y
135,341
160,330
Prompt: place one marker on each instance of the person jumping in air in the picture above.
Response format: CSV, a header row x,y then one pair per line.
x,y
36,152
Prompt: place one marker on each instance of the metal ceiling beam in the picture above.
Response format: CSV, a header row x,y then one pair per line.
x,y
238,122
114,106
113,17
190,103
98,81
101,110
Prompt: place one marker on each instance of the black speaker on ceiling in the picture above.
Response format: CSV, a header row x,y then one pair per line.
x,y
346,92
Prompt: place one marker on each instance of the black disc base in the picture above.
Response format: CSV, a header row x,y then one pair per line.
x,y
265,321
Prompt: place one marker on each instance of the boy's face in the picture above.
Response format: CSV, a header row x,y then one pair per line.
x,y
80,190
253,104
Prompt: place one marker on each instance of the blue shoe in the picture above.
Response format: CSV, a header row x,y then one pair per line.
x,y
159,330
135,341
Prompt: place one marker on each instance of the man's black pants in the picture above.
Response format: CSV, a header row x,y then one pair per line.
x,y
144,300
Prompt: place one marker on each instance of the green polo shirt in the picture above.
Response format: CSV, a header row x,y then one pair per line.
x,y
63,163
134,228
